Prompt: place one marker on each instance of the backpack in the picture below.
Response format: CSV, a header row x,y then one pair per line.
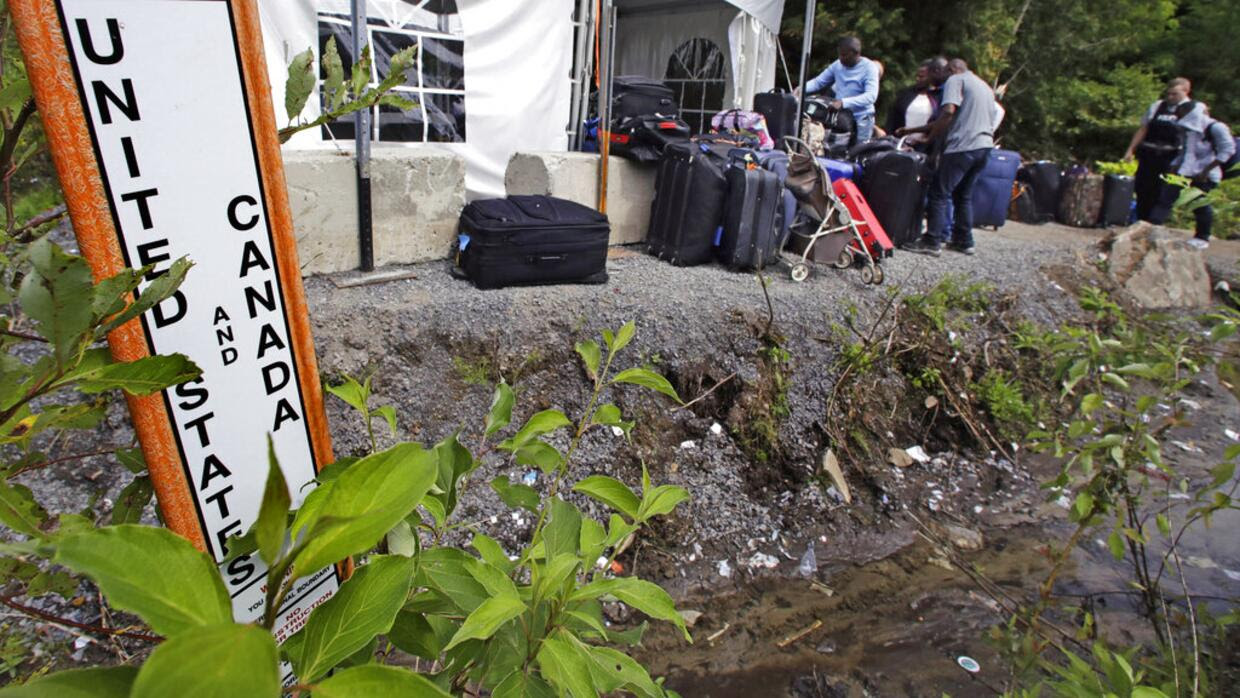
x,y
1231,168
840,124
748,126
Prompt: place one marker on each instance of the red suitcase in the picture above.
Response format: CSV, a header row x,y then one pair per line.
x,y
867,223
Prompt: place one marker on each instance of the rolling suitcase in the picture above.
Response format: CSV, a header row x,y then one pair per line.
x,y
776,161
894,184
1080,200
1043,178
690,192
751,234
780,109
637,95
643,139
524,240
876,240
992,194
1117,193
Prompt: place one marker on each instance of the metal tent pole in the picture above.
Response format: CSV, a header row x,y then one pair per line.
x,y
606,62
811,9
581,74
361,141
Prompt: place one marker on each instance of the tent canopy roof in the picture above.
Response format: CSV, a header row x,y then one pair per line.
x,y
768,12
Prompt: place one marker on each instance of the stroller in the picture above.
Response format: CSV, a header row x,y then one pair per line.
x,y
824,226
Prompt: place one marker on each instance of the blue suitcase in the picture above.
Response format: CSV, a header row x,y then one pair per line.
x,y
840,169
993,192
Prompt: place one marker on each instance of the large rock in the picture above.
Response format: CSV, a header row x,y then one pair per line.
x,y
1157,268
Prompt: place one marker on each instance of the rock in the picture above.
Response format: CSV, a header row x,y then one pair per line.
x,y
831,465
1156,268
964,538
899,457
690,617
617,612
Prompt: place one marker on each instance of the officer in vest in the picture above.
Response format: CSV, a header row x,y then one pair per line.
x,y
1159,148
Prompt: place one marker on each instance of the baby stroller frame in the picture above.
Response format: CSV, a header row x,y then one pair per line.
x,y
826,218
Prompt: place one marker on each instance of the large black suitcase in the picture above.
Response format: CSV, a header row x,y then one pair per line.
x,y
637,95
524,240
1117,192
894,183
752,231
780,109
643,138
687,210
1043,178
776,161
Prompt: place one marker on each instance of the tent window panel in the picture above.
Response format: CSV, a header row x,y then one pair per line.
x,y
446,113
696,71
443,64
396,124
388,44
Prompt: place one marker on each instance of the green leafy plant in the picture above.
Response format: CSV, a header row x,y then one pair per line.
x,y
357,395
1121,168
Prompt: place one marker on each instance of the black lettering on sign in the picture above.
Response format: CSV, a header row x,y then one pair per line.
x,y
228,355
212,467
88,43
199,424
268,338
218,500
222,535
144,210
232,213
104,95
252,257
195,396
131,158
274,384
267,298
284,413
240,570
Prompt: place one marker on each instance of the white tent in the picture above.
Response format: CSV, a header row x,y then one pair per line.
x,y
495,76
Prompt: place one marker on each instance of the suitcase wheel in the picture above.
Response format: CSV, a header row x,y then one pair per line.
x,y
845,260
868,274
879,275
799,272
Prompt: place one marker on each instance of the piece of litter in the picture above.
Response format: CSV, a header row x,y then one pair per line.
x,y
899,458
1231,434
1190,404
494,519
799,634
616,567
764,560
617,431
81,642
969,664
529,478
977,509
718,633
832,466
1232,575
516,516
809,562
918,454
821,588
725,570
932,402
1204,563
601,562
1190,448
688,444
716,428
690,617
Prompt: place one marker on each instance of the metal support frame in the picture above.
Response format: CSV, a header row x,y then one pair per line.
x,y
361,144
583,69
811,9
607,61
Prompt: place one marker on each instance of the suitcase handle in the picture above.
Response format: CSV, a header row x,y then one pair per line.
x,y
543,259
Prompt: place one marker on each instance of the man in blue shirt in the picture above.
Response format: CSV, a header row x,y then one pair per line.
x,y
854,79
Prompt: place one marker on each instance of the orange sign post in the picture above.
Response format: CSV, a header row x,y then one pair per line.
x,y
159,118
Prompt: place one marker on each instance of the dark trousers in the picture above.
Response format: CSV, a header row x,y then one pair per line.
x,y
954,182
1155,197
1204,214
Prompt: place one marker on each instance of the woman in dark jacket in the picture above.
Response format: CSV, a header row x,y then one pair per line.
x,y
914,106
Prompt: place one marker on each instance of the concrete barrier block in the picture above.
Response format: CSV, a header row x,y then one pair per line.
x,y
416,198
575,176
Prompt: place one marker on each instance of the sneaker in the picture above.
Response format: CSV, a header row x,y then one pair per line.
x,y
962,249
1198,243
925,245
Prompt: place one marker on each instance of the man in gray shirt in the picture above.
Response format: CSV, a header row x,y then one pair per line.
x,y
966,122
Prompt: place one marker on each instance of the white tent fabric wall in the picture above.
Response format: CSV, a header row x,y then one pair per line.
x,y
516,85
754,52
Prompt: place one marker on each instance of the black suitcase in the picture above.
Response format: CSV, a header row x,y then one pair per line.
x,y
775,161
643,138
1043,178
751,233
894,183
637,95
524,240
690,191
1117,192
780,109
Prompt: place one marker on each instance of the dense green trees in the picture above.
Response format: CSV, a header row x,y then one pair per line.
x,y
1076,74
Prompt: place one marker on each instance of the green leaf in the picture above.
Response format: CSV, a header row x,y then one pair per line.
x,y
155,292
487,618
609,415
515,496
57,294
299,85
1223,473
142,377
365,606
389,415
333,75
132,459
1084,505
1116,381
542,423
593,539
15,94
212,662
375,681
566,666
151,572
353,393
110,682
555,573
563,530
19,510
1116,543
661,500
590,356
493,579
492,553
412,633
1164,526
500,414
611,492
644,596
647,379
272,523
540,454
365,502
519,684
1091,403
402,540
395,100
360,77
623,337
624,672
132,500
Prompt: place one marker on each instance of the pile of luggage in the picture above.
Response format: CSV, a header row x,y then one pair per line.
x,y
1044,192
